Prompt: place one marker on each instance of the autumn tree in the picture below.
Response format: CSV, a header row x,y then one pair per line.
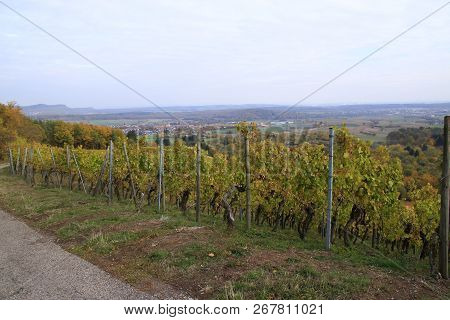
x,y
13,124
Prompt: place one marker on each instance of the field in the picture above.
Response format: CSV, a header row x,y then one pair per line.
x,y
374,128
172,253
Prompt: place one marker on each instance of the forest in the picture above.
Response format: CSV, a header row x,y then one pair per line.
x,y
14,125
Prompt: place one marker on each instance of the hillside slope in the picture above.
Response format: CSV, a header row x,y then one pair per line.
x,y
206,260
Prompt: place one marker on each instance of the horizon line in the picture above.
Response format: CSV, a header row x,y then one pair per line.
x,y
337,104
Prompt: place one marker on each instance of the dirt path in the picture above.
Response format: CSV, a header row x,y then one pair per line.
x,y
32,266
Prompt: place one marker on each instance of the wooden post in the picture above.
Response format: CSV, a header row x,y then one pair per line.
x,y
31,168
161,176
247,181
24,163
330,192
198,163
18,160
79,171
54,167
11,161
443,229
41,160
68,167
163,191
110,176
102,172
133,189
137,140
40,156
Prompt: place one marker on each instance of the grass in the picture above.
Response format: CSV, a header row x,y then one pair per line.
x,y
206,259
106,244
74,229
194,254
392,261
303,283
158,255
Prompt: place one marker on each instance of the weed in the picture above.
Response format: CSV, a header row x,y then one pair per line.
x,y
105,244
158,255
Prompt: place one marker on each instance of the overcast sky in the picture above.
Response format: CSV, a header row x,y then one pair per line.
x,y
192,52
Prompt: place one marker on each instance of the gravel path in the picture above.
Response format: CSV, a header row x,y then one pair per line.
x,y
32,266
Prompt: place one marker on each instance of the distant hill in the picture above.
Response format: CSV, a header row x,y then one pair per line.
x,y
39,110
234,113
59,110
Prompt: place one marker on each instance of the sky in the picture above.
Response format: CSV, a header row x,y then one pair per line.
x,y
206,52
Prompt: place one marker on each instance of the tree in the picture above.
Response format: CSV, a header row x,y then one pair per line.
x,y
13,124
132,135
82,135
63,134
166,138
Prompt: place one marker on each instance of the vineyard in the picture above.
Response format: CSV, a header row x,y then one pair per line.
x,y
275,153
288,185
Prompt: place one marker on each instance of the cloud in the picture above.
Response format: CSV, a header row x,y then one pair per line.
x,y
206,52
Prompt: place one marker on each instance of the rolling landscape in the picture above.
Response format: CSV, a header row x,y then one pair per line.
x,y
144,227
372,122
227,159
